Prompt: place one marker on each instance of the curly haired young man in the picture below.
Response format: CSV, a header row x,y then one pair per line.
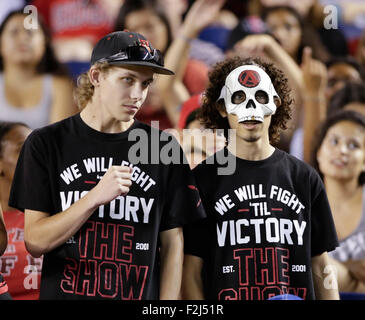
x,y
268,225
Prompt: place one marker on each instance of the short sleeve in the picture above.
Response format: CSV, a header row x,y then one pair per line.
x,y
323,232
31,185
196,237
182,203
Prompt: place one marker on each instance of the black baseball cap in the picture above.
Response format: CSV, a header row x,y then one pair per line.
x,y
128,48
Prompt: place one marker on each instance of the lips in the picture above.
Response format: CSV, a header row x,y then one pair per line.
x,y
250,124
131,108
339,163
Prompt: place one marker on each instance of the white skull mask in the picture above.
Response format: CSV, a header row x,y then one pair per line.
x,y
254,82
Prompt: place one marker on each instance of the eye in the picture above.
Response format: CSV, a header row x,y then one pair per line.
x,y
147,83
288,26
352,145
261,97
238,97
333,141
30,32
128,80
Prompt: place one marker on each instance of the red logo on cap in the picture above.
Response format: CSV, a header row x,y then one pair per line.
x,y
249,78
145,43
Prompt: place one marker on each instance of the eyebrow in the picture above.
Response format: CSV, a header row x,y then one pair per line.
x,y
135,76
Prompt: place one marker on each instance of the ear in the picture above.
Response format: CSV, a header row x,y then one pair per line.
x,y
222,108
94,76
1,168
277,101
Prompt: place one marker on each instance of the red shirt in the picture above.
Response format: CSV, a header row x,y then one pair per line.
x,y
20,270
74,18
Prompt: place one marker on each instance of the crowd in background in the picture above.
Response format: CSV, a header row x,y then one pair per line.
x,y
318,44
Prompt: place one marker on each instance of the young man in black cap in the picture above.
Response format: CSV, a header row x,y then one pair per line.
x,y
109,226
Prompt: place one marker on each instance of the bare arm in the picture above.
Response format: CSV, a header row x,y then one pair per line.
x,y
356,268
43,233
172,90
314,101
3,234
253,45
63,105
347,281
324,278
192,284
172,243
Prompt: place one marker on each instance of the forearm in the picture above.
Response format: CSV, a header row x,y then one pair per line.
x,y
176,58
171,266
192,284
314,110
45,233
289,66
347,282
324,278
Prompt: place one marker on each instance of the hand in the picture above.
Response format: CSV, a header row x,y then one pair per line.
x,y
314,74
173,9
201,14
357,269
255,45
115,182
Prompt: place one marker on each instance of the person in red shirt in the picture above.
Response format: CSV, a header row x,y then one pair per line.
x,y
75,25
19,269
4,294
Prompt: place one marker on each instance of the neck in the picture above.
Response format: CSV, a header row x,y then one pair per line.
x,y
15,73
338,190
4,195
253,151
97,118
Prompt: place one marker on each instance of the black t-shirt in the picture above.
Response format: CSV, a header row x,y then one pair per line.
x,y
264,224
4,293
115,254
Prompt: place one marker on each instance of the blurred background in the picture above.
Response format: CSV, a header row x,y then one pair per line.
x,y
318,44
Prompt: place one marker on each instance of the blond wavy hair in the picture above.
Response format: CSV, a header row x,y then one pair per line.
x,y
84,90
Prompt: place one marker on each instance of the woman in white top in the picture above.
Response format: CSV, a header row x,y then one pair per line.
x,y
34,86
339,157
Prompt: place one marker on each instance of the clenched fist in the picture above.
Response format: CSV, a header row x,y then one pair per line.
x,y
115,182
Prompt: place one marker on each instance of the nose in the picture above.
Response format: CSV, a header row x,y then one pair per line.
x,y
250,104
136,92
342,148
23,34
281,34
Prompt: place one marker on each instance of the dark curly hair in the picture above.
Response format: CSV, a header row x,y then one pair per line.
x,y
209,114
